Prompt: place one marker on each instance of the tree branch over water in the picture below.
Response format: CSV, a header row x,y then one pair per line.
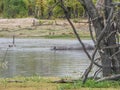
x,y
84,48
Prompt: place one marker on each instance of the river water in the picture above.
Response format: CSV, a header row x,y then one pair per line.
x,y
32,57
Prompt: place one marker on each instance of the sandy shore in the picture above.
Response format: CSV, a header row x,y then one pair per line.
x,y
16,23
27,27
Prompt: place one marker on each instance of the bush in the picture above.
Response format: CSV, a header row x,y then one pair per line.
x,y
15,8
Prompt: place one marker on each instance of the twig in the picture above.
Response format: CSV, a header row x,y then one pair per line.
x,y
112,46
90,28
97,72
117,36
109,35
114,54
5,54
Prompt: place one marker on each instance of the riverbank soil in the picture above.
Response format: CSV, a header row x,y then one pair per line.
x,y
31,27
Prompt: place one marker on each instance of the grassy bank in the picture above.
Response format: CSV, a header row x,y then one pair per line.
x,y
41,83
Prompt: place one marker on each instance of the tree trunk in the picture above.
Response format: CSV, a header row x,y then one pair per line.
x,y
112,40
105,36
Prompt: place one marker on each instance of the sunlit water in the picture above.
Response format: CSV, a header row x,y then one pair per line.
x,y
34,57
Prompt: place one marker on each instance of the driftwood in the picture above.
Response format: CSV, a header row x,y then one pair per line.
x,y
113,77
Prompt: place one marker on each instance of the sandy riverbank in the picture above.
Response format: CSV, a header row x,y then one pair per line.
x,y
31,27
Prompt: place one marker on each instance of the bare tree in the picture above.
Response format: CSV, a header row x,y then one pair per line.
x,y
107,37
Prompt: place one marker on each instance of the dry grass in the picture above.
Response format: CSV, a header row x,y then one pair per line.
x,y
31,83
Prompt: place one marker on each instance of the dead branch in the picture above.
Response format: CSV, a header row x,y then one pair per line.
x,y
85,76
116,4
115,54
97,59
84,48
117,37
102,35
109,35
112,46
113,77
90,28
97,72
74,30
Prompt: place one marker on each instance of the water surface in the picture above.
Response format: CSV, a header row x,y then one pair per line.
x,y
35,57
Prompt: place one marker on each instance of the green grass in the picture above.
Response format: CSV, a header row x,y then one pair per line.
x,y
46,84
90,84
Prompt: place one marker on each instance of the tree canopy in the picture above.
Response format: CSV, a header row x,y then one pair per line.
x,y
38,8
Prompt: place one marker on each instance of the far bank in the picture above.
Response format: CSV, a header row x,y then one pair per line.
x,y
34,28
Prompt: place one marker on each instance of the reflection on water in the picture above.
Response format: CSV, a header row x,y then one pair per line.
x,y
34,57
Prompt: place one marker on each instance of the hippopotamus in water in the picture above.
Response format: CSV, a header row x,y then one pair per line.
x,y
88,47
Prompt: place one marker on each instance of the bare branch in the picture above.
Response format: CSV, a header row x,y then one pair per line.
x,y
102,35
77,35
97,72
91,33
74,30
90,67
113,77
112,46
114,54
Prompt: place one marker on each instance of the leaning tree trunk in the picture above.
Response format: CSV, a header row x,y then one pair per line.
x,y
105,36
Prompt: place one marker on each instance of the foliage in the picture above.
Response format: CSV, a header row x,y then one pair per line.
x,y
1,6
38,8
15,8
